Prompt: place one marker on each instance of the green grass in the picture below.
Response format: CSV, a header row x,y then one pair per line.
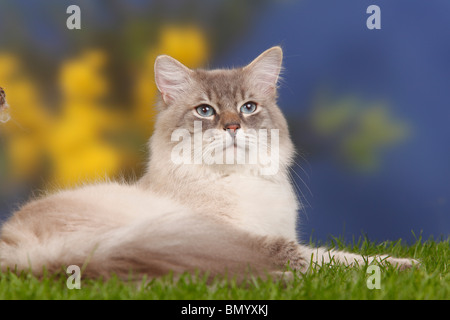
x,y
429,281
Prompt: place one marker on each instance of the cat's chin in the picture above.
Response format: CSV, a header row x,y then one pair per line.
x,y
239,153
233,147
239,169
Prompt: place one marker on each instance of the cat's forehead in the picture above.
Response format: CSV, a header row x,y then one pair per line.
x,y
222,83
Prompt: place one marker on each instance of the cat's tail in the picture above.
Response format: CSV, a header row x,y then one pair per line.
x,y
176,242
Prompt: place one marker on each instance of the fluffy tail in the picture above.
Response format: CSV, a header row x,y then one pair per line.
x,y
175,243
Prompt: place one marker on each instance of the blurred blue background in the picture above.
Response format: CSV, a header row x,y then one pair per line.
x,y
368,109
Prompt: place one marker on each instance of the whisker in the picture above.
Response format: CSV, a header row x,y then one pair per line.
x,y
304,183
303,159
302,197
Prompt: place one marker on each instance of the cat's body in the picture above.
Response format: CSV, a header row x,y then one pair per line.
x,y
117,228
216,218
258,205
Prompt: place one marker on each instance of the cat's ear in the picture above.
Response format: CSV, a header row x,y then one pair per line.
x,y
265,70
172,77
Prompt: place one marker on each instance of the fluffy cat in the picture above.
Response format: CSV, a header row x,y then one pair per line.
x,y
226,217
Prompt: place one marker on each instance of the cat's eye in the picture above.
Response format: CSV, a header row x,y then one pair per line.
x,y
248,107
205,110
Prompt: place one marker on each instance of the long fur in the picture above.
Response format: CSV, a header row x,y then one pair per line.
x,y
217,219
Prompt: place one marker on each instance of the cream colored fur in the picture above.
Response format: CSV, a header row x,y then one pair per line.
x,y
220,219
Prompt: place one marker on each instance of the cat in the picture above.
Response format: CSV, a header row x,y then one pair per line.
x,y
185,215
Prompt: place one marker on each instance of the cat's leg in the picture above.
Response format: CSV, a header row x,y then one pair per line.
x,y
284,253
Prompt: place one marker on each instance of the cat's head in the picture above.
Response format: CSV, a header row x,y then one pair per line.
x,y
222,118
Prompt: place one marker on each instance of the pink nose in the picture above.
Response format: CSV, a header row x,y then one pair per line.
x,y
232,127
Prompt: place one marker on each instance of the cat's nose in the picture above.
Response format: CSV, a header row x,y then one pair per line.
x,y
232,127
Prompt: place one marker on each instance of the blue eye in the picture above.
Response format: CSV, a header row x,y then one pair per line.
x,y
248,107
205,110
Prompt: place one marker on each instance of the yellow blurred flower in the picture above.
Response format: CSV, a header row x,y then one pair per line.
x,y
76,145
185,43
91,162
80,78
25,154
9,66
188,44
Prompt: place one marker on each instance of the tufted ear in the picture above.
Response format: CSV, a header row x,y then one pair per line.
x,y
265,70
172,77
